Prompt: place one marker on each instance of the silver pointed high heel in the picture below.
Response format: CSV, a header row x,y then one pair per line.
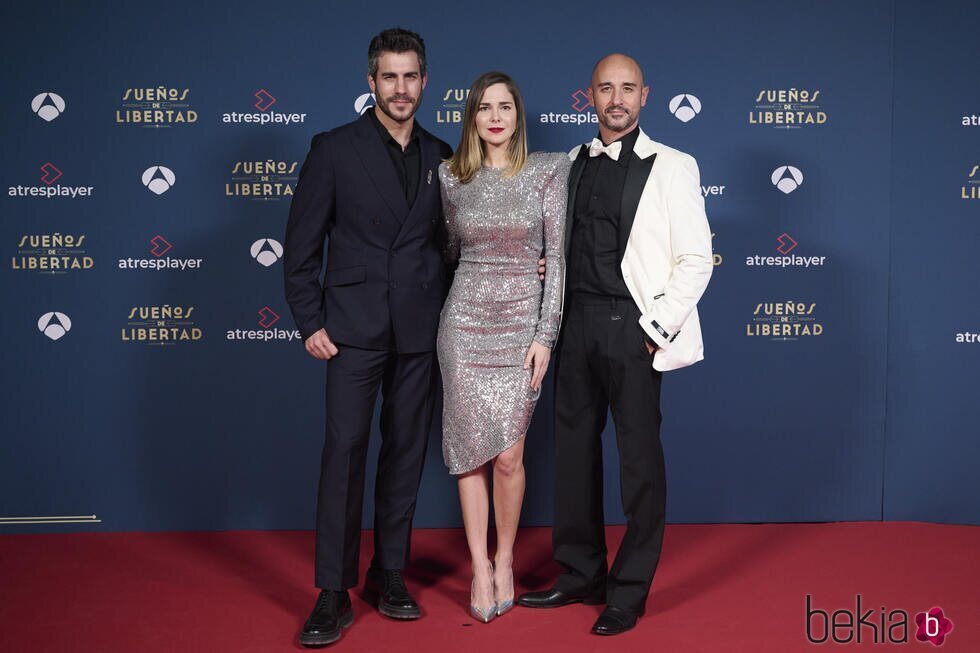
x,y
487,615
504,606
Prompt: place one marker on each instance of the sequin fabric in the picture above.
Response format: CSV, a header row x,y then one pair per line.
x,y
498,228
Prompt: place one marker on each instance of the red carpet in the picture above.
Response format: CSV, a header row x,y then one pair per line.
x,y
722,588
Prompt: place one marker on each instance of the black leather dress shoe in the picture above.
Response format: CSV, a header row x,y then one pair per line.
x,y
385,589
614,621
330,615
555,598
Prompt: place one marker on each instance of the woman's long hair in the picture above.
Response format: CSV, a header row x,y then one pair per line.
x,y
468,158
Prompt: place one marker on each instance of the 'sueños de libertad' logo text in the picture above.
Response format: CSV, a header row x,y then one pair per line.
x,y
161,325
262,180
971,189
156,108
787,109
453,106
784,321
716,258
51,254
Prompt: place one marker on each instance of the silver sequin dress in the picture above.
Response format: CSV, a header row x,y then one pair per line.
x,y
498,228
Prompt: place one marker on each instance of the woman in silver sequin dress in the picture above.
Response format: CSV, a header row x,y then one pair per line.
x,y
503,209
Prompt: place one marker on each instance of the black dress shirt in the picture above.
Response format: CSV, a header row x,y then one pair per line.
x,y
406,161
593,264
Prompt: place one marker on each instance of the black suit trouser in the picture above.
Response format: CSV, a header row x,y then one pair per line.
x,y
407,384
602,363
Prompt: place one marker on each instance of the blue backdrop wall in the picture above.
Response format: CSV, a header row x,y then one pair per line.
x,y
854,228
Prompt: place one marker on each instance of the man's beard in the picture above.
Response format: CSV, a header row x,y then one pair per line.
x,y
383,105
630,118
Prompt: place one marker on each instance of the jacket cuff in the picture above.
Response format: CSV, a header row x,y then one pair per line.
x,y
307,329
656,332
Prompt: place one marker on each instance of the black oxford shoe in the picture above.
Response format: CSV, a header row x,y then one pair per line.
x,y
331,614
555,598
614,621
385,589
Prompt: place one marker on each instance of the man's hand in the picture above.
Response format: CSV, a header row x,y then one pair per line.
x,y
542,265
320,346
537,359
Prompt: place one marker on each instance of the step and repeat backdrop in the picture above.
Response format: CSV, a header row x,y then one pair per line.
x,y
153,378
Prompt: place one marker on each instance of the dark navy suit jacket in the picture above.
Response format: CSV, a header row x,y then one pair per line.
x,y
385,278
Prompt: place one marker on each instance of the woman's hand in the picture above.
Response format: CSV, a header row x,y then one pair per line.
x,y
537,359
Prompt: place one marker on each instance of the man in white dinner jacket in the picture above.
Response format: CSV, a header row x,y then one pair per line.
x,y
638,259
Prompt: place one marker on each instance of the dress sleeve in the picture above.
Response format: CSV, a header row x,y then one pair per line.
x,y
449,232
554,199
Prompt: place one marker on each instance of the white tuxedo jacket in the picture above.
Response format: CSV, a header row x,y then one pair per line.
x,y
665,244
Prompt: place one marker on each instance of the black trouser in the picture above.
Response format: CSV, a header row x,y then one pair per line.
x,y
407,383
601,363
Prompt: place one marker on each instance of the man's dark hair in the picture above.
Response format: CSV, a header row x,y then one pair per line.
x,y
395,40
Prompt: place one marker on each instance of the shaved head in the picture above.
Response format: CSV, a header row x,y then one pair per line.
x,y
617,93
619,63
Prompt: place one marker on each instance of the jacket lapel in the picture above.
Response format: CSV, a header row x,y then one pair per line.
x,y
378,165
644,155
574,176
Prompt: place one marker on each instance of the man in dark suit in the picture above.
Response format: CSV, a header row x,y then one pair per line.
x,y
371,188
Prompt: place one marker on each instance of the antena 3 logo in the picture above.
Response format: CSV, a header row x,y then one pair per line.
x,y
161,325
263,101
971,189
54,324
158,179
48,106
453,106
159,247
51,254
49,174
266,318
156,108
684,106
266,251
787,178
363,102
584,112
262,180
783,321
787,109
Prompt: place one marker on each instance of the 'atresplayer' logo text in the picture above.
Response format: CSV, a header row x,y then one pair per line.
x,y
584,111
50,173
267,319
263,102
